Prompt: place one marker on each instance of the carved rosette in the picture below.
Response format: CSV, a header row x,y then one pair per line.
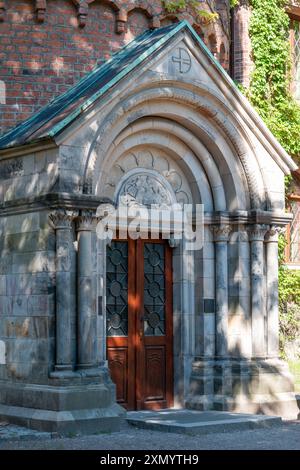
x,y
257,232
221,232
62,219
86,221
273,233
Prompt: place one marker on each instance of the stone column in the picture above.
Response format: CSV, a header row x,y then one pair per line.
x,y
221,237
65,286
256,236
86,293
272,291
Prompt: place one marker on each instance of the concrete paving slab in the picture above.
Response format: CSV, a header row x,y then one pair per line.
x,y
199,422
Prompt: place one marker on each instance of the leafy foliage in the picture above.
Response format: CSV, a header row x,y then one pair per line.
x,y
174,6
289,301
270,83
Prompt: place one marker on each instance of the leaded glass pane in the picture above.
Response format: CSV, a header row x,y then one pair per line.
x,y
154,289
296,47
295,233
117,289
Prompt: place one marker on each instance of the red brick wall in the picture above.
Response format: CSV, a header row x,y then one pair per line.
x,y
40,60
242,63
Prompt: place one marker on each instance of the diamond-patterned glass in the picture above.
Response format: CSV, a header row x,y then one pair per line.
x,y
154,289
296,51
117,289
295,233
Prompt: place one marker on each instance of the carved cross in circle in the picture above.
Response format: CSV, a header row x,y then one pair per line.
x,y
183,60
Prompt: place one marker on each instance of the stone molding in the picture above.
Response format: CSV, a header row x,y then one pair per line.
x,y
62,219
221,232
257,232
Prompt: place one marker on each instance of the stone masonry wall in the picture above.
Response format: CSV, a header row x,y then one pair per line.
x,y
48,45
27,269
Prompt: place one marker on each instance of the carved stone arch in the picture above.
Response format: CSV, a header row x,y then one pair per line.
x,y
194,100
147,10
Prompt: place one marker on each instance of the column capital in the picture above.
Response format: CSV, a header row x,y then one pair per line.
x,y
62,219
257,232
221,232
86,221
273,233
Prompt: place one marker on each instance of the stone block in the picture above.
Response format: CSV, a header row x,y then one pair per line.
x,y
41,240
5,305
2,285
34,262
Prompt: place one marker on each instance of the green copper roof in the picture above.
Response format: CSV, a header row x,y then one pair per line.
x,y
54,117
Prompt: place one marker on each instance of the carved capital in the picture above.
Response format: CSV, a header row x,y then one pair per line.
x,y
86,221
221,232
273,233
40,8
257,232
62,219
2,10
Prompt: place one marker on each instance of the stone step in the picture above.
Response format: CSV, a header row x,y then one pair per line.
x,y
199,422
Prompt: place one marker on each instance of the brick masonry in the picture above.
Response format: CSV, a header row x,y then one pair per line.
x,y
46,45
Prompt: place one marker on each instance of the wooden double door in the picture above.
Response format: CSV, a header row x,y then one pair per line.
x,y
139,322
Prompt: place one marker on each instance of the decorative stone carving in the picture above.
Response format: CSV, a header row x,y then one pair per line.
x,y
40,8
83,8
2,11
62,219
273,233
257,232
182,58
144,190
121,21
11,169
86,221
221,232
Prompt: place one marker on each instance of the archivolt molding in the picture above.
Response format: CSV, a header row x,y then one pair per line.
x,y
205,103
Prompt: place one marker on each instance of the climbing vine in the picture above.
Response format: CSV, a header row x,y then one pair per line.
x,y
270,83
175,6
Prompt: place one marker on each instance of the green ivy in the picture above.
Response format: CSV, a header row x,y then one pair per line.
x,y
174,6
270,82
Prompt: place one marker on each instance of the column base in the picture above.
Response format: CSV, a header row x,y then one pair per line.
x,y
243,386
63,367
67,405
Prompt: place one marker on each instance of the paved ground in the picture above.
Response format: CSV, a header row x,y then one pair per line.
x,y
285,437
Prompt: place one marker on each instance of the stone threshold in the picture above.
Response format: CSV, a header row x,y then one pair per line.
x,y
199,422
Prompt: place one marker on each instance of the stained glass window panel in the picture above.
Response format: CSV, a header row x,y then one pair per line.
x,y
117,289
154,289
296,58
